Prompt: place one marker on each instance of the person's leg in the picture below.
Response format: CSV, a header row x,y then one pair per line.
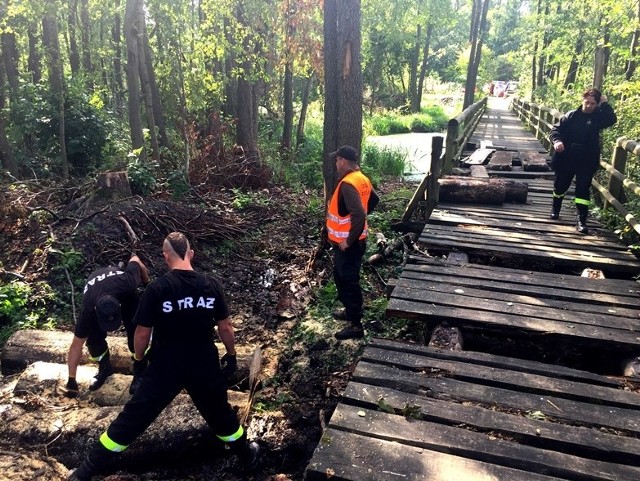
x,y
99,352
583,198
561,183
208,390
348,265
156,391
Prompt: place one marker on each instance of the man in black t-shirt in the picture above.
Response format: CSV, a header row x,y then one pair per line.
x,y
182,308
110,298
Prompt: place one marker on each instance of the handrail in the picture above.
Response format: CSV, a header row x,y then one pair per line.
x,y
540,121
459,130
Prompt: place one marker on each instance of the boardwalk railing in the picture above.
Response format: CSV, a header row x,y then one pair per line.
x,y
459,131
540,121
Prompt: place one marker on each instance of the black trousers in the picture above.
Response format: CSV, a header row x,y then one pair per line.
x,y
566,171
198,372
97,339
346,273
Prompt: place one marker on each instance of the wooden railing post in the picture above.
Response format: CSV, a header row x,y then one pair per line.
x,y
619,162
453,131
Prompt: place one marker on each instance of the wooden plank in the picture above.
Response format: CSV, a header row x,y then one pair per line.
x,y
478,157
576,440
505,378
501,160
613,267
479,171
472,445
572,242
615,287
508,323
557,409
493,360
438,284
370,459
533,161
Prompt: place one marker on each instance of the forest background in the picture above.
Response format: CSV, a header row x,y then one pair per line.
x,y
211,94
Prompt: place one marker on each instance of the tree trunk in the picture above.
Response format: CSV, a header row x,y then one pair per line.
x,y
118,87
52,49
133,87
423,66
303,109
7,161
74,55
158,112
145,83
413,73
343,83
572,73
86,37
10,58
287,128
475,53
33,62
632,63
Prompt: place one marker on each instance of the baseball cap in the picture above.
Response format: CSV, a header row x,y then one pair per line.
x,y
346,152
108,313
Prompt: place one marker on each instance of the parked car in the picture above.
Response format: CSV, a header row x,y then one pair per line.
x,y
512,86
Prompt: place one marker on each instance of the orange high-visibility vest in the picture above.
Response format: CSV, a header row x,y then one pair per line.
x,y
337,226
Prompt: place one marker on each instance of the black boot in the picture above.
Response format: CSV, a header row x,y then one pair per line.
x,y
555,208
138,369
581,224
353,331
98,460
105,369
248,453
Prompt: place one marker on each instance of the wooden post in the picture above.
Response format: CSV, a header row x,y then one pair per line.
x,y
428,188
619,162
453,130
598,68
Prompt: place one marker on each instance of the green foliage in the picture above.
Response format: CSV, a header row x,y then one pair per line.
x,y
244,199
382,161
24,306
142,177
430,119
178,183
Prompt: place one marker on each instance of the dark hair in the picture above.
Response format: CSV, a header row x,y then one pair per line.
x,y
595,93
179,243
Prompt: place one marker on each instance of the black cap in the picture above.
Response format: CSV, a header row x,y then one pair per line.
x,y
346,152
108,313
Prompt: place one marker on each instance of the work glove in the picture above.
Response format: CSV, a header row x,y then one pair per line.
x,y
71,388
229,366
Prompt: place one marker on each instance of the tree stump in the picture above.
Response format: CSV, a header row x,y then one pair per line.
x,y
113,185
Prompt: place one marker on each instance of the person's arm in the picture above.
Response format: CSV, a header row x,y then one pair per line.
x,y
353,204
144,272
607,115
141,339
373,201
225,331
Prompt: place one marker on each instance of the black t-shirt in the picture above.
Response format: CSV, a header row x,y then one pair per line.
x,y
122,284
183,308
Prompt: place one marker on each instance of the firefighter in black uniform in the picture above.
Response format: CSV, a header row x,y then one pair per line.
x,y
110,298
576,146
182,307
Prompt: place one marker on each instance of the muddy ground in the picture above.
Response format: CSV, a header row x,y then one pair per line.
x,y
259,244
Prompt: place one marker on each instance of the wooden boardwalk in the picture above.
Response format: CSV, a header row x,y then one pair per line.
x,y
412,412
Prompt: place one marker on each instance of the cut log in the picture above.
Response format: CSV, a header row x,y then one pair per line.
x,y
482,191
501,160
533,161
113,185
28,346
